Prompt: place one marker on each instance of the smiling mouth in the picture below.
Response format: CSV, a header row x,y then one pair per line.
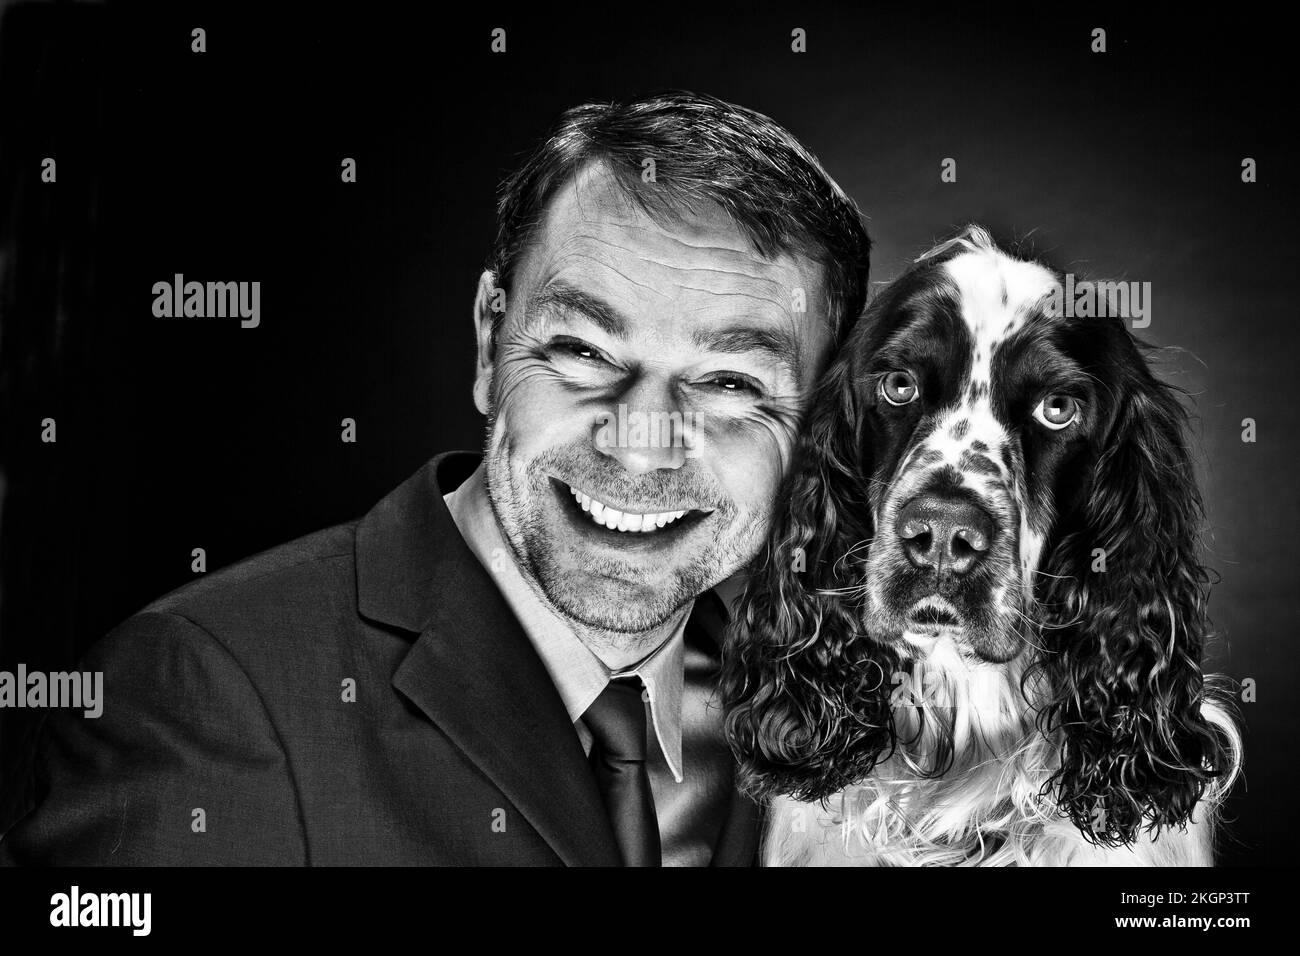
x,y
601,514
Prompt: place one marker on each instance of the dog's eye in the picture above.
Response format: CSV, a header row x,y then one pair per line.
x,y
1057,411
899,388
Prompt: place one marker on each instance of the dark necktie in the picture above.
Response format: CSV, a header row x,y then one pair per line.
x,y
616,720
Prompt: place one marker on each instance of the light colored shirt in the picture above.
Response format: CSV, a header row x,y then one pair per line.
x,y
691,792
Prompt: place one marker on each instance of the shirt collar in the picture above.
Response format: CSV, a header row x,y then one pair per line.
x,y
662,673
578,674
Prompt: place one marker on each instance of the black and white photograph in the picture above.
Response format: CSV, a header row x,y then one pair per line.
x,y
754,436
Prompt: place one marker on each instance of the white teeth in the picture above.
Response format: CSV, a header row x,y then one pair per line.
x,y
613,519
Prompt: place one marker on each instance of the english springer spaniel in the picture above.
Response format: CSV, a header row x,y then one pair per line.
x,y
975,634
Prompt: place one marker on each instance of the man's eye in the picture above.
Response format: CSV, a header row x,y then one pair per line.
x,y
737,384
576,348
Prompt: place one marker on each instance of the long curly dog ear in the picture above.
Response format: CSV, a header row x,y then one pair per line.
x,y
806,692
1125,599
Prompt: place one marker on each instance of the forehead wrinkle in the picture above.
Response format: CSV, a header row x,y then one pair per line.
x,y
720,275
774,291
660,238
563,256
595,208
778,290
778,307
653,237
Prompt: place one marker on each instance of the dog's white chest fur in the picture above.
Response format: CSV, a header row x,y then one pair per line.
x,y
864,827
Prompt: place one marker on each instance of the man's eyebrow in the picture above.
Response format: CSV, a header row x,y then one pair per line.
x,y
778,342
558,294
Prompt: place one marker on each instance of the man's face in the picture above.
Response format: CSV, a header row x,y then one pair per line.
x,y
643,399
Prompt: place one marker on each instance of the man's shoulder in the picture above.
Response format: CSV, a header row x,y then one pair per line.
x,y
388,566
320,575
296,601
317,604
291,577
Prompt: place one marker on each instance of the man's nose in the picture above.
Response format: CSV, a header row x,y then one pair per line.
x,y
644,436
943,532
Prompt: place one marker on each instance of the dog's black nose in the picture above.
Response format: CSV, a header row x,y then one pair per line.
x,y
945,533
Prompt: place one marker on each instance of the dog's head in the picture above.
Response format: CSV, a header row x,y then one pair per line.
x,y
978,405
985,477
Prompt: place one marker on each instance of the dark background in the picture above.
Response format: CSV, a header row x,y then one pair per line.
x,y
224,166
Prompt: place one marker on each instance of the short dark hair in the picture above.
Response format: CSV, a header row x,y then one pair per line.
x,y
705,151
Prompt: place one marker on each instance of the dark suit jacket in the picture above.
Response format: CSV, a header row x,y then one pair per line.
x,y
226,696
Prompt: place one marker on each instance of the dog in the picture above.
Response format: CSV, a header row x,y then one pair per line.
x,y
975,633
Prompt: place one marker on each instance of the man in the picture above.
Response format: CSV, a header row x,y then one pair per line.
x,y
508,660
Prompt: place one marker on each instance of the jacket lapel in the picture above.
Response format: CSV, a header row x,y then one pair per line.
x,y
474,673
472,670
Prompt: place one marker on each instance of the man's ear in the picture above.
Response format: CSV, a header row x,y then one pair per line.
x,y
486,298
